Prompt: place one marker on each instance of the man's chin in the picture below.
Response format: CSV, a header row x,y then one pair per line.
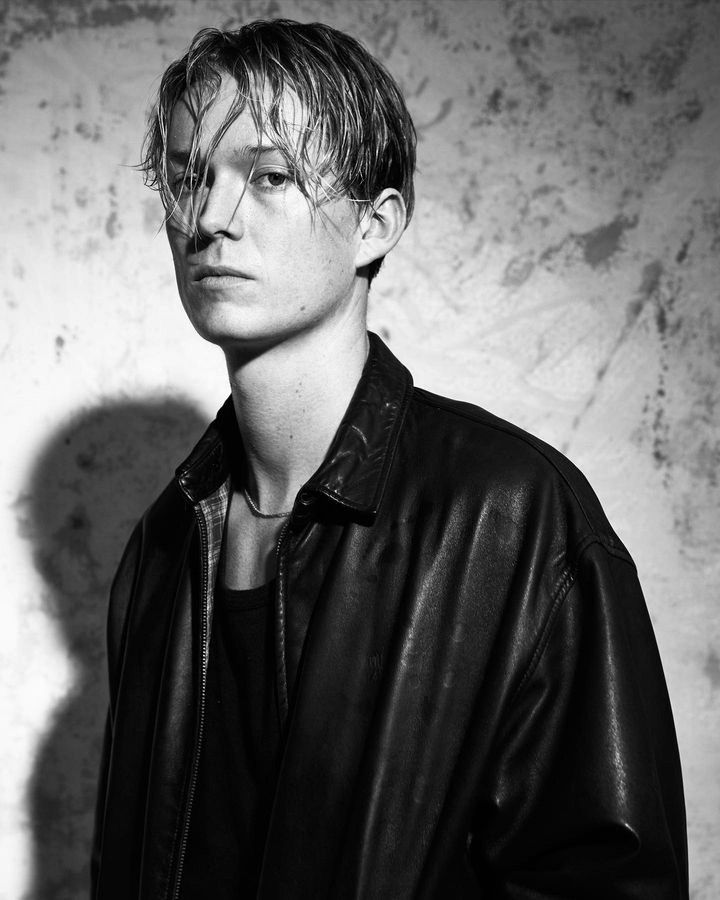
x,y
240,338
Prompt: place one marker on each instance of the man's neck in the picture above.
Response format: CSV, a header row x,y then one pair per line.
x,y
289,401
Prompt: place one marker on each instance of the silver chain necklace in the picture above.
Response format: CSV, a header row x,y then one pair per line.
x,y
256,511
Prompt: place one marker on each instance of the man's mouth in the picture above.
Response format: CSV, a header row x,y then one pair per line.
x,y
201,273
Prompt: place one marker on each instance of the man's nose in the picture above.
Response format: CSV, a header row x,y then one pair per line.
x,y
221,213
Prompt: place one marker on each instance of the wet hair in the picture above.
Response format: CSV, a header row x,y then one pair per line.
x,y
355,136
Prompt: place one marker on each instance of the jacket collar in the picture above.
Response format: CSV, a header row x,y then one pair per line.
x,y
354,472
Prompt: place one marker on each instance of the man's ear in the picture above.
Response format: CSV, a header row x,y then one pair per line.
x,y
381,226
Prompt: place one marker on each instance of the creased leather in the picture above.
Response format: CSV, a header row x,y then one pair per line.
x,y
476,706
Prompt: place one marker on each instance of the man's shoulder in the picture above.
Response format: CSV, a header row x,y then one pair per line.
x,y
477,451
466,427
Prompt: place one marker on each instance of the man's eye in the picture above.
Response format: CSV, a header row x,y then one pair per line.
x,y
187,181
272,180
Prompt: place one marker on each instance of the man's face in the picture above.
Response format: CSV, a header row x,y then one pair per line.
x,y
263,267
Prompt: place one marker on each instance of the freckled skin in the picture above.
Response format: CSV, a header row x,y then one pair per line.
x,y
300,266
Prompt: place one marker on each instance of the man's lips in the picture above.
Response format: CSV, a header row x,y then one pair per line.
x,y
202,272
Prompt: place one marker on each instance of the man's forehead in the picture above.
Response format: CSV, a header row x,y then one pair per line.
x,y
203,110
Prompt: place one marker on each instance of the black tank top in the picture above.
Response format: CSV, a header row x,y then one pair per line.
x,y
239,754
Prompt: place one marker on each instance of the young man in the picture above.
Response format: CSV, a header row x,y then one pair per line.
x,y
369,642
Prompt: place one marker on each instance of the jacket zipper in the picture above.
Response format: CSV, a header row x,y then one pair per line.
x,y
282,673
204,553
280,633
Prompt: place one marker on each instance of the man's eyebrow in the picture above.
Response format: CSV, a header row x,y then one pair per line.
x,y
253,149
246,151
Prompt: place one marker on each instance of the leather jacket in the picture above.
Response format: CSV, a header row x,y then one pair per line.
x,y
471,696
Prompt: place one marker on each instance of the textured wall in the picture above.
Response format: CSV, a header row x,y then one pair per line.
x,y
562,270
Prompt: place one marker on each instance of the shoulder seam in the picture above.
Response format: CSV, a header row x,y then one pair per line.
x,y
565,583
528,439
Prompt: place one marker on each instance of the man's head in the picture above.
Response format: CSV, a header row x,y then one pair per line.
x,y
348,133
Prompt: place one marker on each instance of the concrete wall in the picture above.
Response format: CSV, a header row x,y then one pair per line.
x,y
562,270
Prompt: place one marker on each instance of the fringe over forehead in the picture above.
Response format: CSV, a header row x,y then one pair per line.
x,y
356,139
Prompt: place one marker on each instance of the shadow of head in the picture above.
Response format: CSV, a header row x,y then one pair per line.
x,y
90,484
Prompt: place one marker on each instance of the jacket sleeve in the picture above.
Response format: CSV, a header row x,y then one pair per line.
x,y
120,596
584,796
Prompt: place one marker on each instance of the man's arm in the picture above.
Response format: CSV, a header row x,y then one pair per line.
x,y
584,797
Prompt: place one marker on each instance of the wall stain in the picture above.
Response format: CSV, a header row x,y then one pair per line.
x,y
525,47
385,36
112,226
624,96
648,288
89,132
121,13
112,223
710,213
661,294
650,281
690,111
665,60
34,20
420,87
706,464
711,669
518,270
682,253
602,243
577,25
467,210
660,429
444,111
495,101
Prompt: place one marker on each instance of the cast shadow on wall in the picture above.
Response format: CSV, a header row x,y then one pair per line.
x,y
90,484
